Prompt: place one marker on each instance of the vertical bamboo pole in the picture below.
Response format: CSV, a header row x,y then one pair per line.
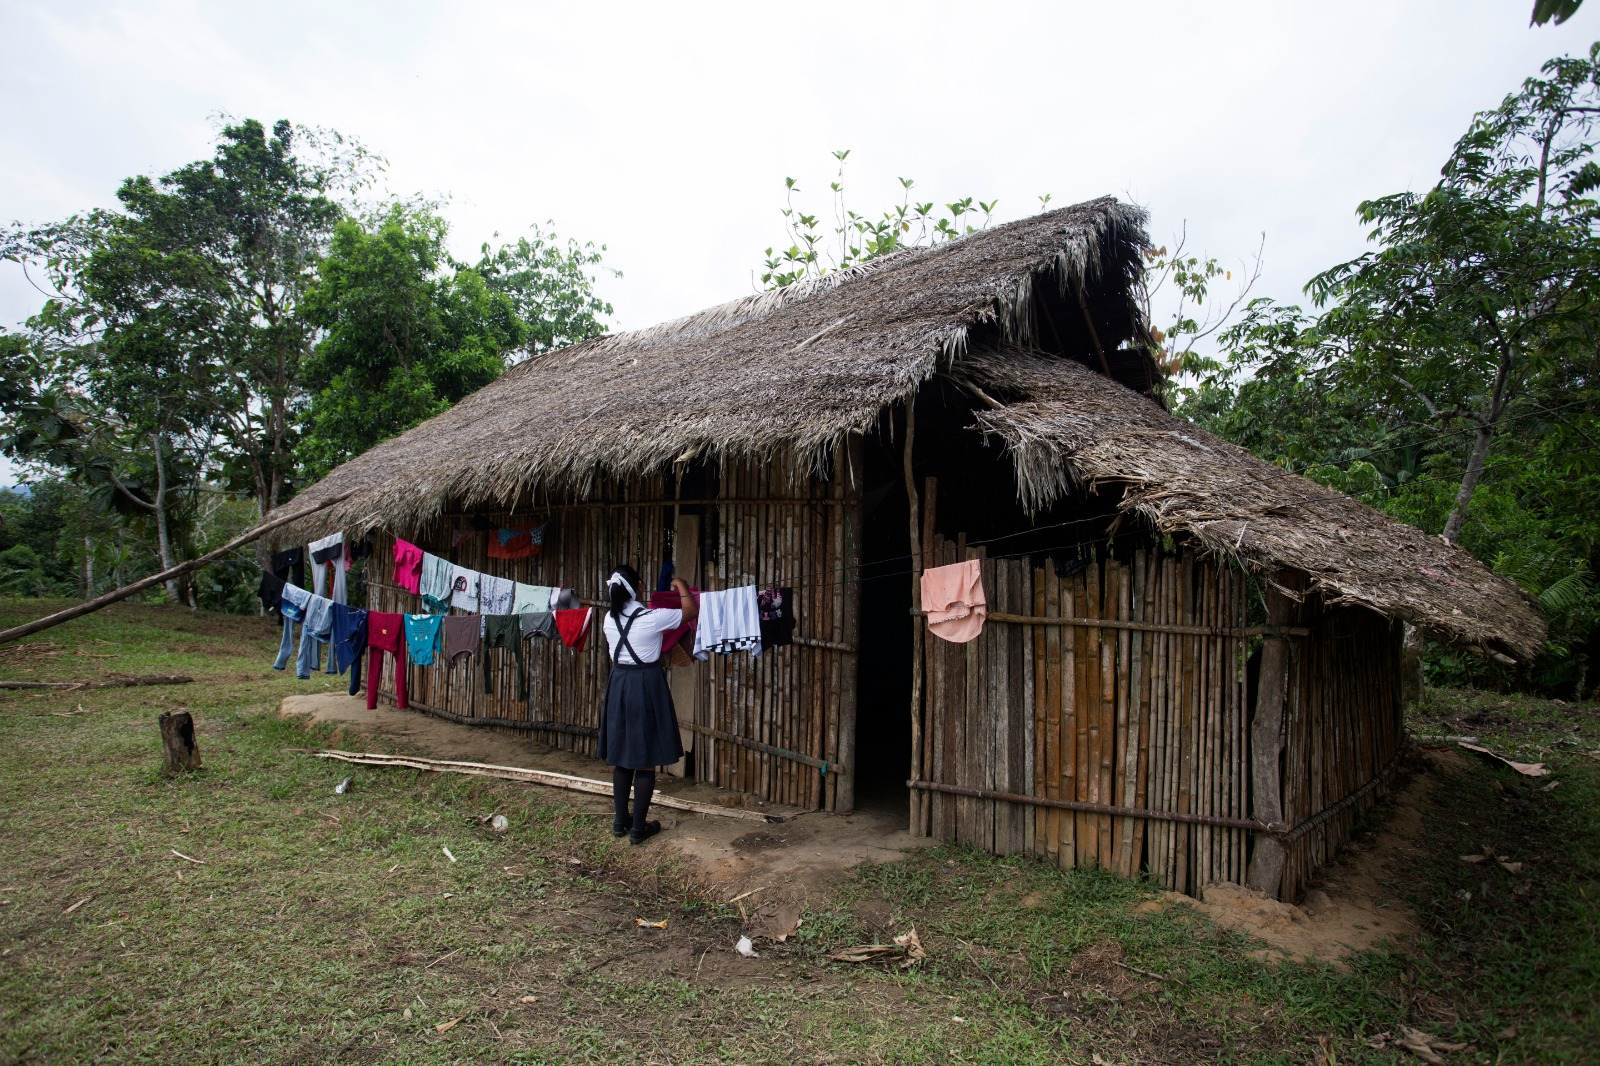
x,y
914,522
844,799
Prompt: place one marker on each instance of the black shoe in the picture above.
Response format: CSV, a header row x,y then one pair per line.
x,y
620,829
639,836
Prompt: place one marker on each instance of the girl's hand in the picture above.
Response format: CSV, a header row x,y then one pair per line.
x,y
680,586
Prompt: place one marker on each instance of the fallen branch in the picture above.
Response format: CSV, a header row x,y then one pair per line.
x,y
533,777
107,599
1151,973
116,682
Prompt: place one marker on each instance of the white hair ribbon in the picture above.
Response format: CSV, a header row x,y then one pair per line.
x,y
616,578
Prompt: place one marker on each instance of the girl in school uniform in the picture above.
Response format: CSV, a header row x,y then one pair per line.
x,y
638,726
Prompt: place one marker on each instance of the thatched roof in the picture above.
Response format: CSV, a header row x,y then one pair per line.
x,y
789,373
1064,423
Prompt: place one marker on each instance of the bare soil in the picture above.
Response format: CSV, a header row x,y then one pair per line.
x,y
796,860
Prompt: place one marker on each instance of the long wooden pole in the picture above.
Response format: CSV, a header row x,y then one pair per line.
x,y
107,599
1266,745
915,523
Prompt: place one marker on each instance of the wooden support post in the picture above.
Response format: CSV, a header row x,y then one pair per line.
x,y
1266,746
177,738
686,681
853,470
916,801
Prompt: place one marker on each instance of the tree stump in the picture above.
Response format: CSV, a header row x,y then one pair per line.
x,y
177,737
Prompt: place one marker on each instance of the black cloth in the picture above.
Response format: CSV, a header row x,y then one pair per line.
x,y
271,591
290,564
777,617
638,727
328,554
356,550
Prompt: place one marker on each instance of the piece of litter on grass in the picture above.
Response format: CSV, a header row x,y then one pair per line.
x,y
528,999
393,868
499,823
445,1027
662,924
1528,769
746,948
746,895
1510,867
189,858
406,1013
1472,858
1426,1046
958,1018
1550,787
342,787
447,854
78,904
777,922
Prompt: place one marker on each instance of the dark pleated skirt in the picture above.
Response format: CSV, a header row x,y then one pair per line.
x,y
638,727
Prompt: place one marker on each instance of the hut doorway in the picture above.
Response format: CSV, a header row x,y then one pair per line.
x,y
883,716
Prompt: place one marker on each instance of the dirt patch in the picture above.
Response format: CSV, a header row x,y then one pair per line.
x,y
1351,908
798,859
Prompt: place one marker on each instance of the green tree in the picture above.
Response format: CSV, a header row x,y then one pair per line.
x,y
408,332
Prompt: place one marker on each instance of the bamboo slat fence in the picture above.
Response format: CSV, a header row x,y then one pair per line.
x,y
1127,746
773,726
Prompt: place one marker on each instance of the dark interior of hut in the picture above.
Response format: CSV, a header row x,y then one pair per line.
x,y
976,502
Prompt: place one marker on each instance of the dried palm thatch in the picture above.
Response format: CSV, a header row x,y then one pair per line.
x,y
785,375
1066,425
781,373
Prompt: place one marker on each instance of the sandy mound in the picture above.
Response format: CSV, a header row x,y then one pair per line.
x,y
1349,910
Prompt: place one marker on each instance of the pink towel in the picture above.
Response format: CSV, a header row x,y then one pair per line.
x,y
672,601
952,596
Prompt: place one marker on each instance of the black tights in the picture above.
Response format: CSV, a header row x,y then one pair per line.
x,y
643,783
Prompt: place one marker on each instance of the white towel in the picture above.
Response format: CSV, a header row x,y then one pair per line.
x,y
729,621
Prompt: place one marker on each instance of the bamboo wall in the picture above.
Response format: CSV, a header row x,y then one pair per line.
x,y
760,530
1143,716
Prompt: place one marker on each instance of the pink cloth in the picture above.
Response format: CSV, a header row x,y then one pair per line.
x,y
407,565
672,601
953,598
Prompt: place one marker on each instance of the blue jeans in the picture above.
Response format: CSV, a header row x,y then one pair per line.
x,y
286,648
310,657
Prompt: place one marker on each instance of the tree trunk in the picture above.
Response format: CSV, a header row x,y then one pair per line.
x,y
163,538
1469,483
88,567
177,739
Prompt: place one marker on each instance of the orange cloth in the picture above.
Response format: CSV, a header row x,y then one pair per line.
x,y
952,596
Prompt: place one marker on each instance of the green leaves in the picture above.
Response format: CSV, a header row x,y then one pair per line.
x,y
855,238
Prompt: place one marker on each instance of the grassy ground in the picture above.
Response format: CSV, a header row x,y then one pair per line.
x,y
316,926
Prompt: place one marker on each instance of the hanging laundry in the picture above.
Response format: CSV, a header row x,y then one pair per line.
x,y
952,598
423,633
434,585
495,594
270,590
356,550
729,621
539,624
530,598
386,632
505,631
664,579
573,625
292,608
325,553
315,631
563,599
463,535
290,564
407,565
349,641
517,543
463,636
777,617
464,589
672,601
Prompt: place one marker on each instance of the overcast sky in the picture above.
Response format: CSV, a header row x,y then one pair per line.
x,y
665,131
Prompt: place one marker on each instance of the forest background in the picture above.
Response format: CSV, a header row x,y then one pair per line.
x,y
239,325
